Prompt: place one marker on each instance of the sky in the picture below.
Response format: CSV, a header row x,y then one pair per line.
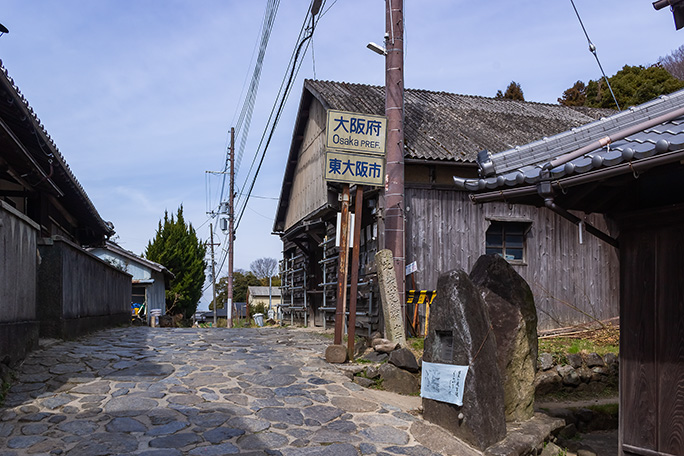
x,y
140,95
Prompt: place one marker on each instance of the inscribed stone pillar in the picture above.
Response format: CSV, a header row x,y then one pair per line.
x,y
511,309
389,296
459,333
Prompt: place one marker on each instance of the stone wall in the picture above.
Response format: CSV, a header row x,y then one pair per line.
x,y
78,292
18,263
576,373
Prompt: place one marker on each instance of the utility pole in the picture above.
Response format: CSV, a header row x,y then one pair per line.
x,y
231,230
213,273
394,111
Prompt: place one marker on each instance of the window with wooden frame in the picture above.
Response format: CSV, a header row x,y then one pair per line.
x,y
507,239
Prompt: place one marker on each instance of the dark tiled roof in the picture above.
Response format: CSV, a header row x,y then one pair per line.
x,y
447,126
439,126
33,135
523,165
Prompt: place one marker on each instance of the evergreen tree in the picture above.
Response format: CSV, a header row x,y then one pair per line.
x,y
632,86
177,247
575,95
241,280
513,92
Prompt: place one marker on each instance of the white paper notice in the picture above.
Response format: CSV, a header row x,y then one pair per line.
x,y
443,382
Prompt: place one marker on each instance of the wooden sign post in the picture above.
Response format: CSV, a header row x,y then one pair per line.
x,y
342,267
351,331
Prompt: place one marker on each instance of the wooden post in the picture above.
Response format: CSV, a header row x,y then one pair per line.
x,y
351,327
342,266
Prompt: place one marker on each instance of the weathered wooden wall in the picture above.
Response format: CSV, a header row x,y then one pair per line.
x,y
78,292
309,189
652,334
156,294
445,231
18,263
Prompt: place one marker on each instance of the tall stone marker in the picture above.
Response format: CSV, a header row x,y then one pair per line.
x,y
389,296
510,305
460,334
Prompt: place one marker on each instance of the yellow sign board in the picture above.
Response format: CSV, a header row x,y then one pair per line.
x,y
361,169
354,132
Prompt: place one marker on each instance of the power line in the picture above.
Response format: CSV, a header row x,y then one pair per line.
x,y
592,49
280,90
294,65
245,119
284,93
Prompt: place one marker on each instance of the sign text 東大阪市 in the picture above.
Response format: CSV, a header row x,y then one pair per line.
x,y
363,169
354,132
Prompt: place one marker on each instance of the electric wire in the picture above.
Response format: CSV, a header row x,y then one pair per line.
x,y
268,122
245,119
592,49
293,70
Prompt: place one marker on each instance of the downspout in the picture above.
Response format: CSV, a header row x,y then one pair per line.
x,y
545,190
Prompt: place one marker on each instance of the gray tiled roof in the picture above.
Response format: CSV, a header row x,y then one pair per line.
x,y
523,165
448,126
263,291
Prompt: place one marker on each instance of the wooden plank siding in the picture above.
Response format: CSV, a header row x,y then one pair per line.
x,y
445,231
652,349
309,189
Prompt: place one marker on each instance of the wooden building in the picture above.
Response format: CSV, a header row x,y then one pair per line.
x,y
629,168
444,133
48,283
149,282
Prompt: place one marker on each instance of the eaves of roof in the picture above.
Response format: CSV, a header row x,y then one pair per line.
x,y
525,165
117,249
35,140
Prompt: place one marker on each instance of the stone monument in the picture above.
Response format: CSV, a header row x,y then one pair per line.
x,y
460,334
511,309
389,296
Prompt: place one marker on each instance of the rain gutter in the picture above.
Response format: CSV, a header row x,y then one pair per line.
x,y
591,176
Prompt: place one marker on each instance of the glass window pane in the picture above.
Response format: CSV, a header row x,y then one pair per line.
x,y
490,251
495,228
494,240
514,240
514,254
514,228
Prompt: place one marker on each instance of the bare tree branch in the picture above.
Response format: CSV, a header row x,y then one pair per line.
x,y
263,268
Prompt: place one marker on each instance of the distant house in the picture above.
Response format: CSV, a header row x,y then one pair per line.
x,y
49,285
260,295
150,280
630,168
443,133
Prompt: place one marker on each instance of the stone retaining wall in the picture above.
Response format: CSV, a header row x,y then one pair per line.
x,y
585,373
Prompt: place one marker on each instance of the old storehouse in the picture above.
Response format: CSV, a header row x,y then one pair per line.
x,y
444,133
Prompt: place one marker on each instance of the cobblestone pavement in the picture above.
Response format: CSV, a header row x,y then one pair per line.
x,y
168,392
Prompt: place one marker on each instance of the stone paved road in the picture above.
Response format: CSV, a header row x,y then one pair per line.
x,y
169,392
